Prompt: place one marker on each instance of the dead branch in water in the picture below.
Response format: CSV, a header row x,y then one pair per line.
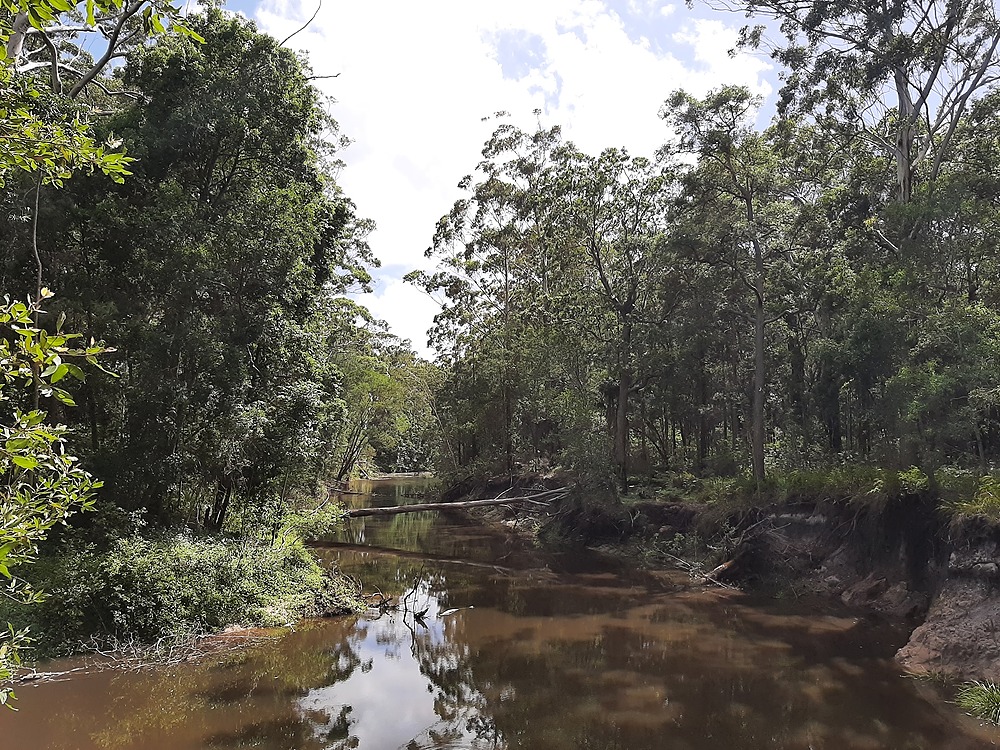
x,y
694,570
409,555
134,656
550,495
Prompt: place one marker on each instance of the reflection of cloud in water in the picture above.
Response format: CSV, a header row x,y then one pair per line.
x,y
394,703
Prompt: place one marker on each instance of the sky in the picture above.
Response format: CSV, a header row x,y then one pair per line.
x,y
416,80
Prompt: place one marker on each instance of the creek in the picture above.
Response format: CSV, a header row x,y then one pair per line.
x,y
514,647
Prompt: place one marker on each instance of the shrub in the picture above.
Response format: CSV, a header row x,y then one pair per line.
x,y
142,588
913,481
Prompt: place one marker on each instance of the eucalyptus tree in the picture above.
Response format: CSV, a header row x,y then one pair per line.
x,y
620,213
899,74
738,167
497,256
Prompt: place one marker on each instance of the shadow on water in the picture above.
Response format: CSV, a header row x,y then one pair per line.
x,y
516,649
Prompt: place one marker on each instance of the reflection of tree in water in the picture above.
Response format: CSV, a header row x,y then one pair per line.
x,y
194,704
334,733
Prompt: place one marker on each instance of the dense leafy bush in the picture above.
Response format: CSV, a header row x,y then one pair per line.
x,y
144,588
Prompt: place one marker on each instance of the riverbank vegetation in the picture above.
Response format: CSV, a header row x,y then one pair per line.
x,y
138,587
184,205
980,699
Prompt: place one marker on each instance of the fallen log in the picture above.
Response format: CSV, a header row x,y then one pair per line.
x,y
406,554
421,507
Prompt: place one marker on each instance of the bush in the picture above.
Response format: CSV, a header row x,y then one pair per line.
x,y
142,588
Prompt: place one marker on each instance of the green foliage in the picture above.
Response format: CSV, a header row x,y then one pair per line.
x,y
307,525
985,501
913,481
42,484
980,699
141,588
36,136
220,269
157,16
12,643
53,149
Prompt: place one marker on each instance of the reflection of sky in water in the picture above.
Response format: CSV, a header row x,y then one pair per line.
x,y
392,704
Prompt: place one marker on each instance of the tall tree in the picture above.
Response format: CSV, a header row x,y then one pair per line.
x,y
900,74
738,166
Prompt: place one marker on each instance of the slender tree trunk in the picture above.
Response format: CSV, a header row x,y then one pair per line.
x,y
95,442
704,435
220,506
622,428
759,369
979,446
621,431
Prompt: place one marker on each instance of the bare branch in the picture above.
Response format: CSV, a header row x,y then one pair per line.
x,y
129,10
303,27
64,29
54,62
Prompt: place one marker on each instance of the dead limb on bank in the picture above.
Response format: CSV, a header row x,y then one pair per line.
x,y
535,499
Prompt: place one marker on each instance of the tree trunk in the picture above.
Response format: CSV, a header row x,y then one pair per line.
x,y
15,42
904,137
759,371
704,435
220,506
621,428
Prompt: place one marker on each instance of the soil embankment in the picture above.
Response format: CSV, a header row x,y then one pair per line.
x,y
902,559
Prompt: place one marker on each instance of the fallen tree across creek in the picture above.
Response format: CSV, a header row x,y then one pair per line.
x,y
393,510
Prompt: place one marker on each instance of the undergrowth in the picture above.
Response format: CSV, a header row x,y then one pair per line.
x,y
985,501
144,587
961,492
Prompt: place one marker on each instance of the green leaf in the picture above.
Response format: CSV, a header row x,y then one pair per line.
x,y
25,462
64,397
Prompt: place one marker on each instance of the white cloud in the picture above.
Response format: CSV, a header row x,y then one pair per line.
x,y
407,309
417,78
668,10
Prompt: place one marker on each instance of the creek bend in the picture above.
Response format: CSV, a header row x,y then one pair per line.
x,y
518,648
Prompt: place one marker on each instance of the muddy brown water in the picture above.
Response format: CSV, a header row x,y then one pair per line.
x,y
516,648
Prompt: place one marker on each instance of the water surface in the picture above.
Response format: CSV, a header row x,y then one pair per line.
x,y
515,648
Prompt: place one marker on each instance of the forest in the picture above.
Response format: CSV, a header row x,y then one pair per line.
x,y
812,293
806,286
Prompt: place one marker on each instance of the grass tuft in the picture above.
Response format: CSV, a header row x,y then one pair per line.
x,y
985,502
980,699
